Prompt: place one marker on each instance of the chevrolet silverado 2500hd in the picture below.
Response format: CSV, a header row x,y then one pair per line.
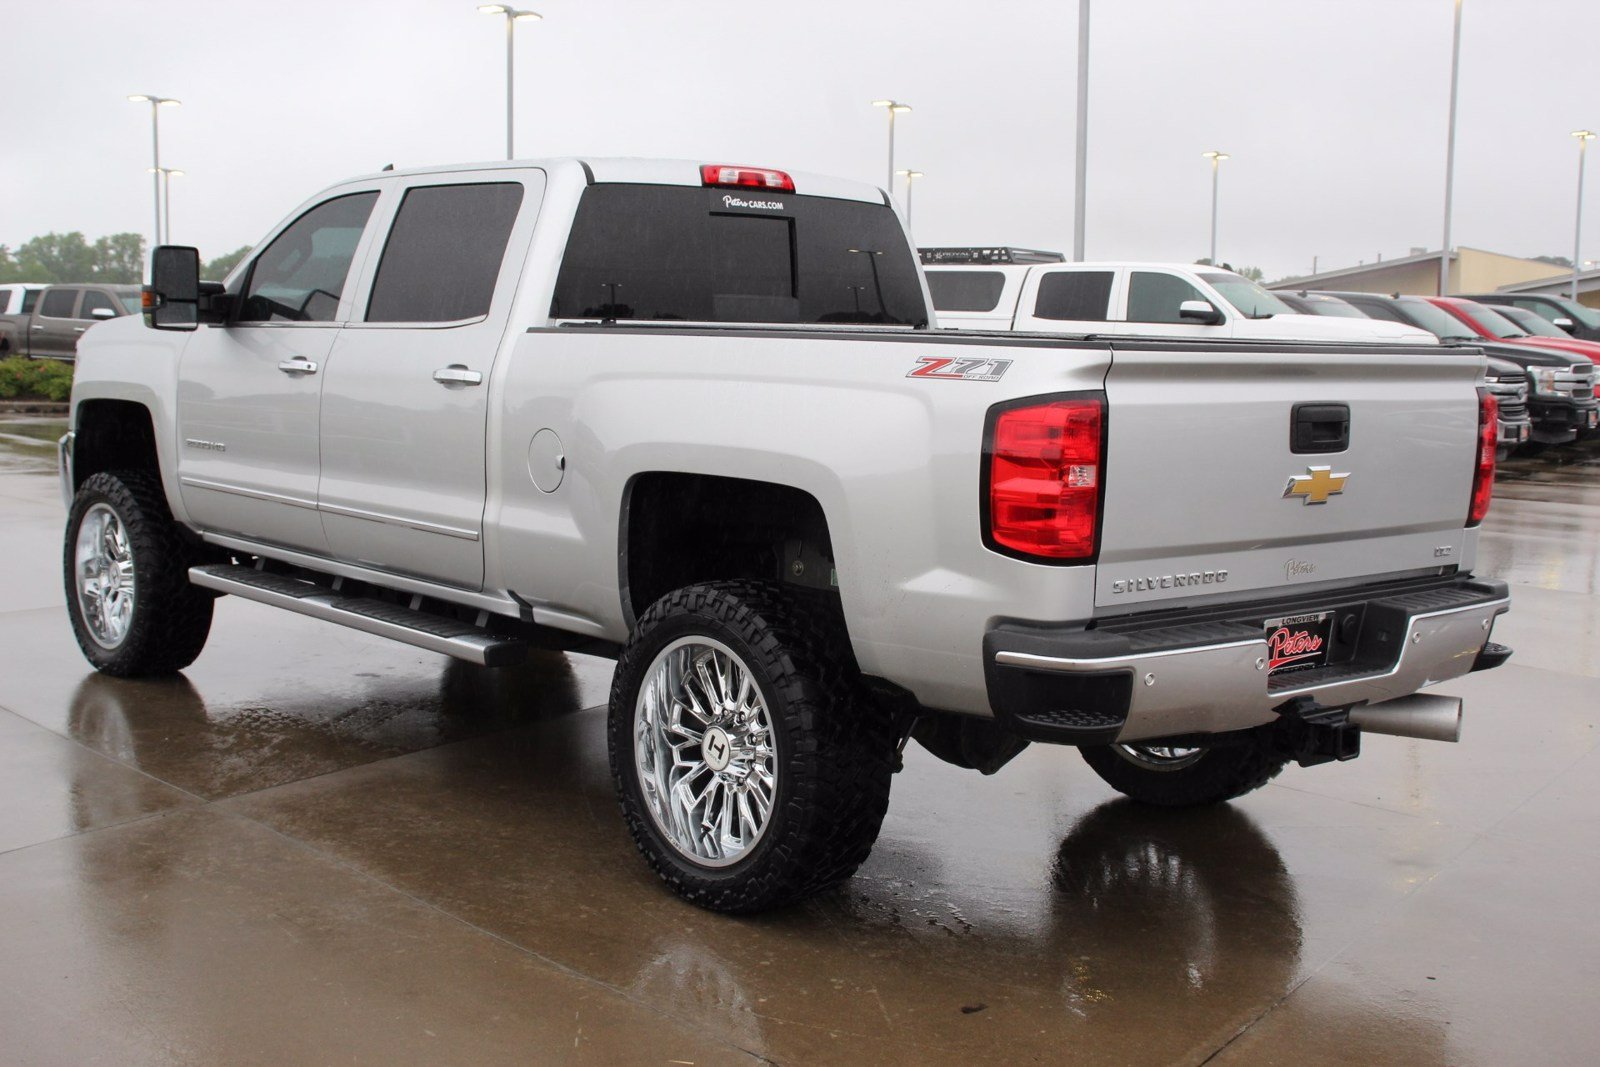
x,y
693,417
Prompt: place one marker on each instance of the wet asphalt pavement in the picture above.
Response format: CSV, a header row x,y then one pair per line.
x,y
319,847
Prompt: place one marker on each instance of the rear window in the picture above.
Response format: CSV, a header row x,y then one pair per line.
x,y
664,252
1074,296
966,290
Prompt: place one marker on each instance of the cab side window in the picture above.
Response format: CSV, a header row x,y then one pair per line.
x,y
1074,296
1539,308
444,253
300,276
30,297
93,301
58,303
1154,297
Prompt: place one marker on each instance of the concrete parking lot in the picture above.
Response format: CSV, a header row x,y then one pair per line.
x,y
319,847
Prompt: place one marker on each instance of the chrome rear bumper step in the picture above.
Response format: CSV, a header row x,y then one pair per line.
x,y
436,633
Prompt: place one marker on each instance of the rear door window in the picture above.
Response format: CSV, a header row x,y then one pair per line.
x,y
1074,295
30,297
966,290
663,252
300,276
58,303
444,252
1154,296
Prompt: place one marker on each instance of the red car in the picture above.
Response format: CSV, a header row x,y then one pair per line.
x,y
1496,323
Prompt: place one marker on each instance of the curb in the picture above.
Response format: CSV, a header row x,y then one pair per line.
x,y
34,407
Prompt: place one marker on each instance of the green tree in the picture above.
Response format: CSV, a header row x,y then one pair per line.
x,y
57,257
118,259
217,269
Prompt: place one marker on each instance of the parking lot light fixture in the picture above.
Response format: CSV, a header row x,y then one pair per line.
x,y
1450,155
894,107
1584,137
156,104
512,16
910,176
166,174
1216,166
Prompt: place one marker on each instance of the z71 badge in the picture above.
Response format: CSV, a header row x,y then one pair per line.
x,y
960,370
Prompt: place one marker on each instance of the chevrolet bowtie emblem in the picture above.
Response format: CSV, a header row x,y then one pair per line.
x,y
1317,485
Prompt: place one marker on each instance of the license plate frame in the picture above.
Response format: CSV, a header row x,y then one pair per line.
x,y
1298,642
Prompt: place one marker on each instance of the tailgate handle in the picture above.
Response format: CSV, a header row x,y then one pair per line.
x,y
1315,428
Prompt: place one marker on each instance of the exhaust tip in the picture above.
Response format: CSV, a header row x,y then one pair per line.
x,y
1425,716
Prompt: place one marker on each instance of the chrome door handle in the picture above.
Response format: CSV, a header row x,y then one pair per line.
x,y
297,365
36,327
79,329
456,374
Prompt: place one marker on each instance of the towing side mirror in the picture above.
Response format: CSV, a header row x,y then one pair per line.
x,y
1565,324
1200,311
172,299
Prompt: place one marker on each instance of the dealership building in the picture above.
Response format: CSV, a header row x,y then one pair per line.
x,y
1472,270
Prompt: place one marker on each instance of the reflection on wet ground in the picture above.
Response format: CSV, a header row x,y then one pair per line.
x,y
318,846
28,444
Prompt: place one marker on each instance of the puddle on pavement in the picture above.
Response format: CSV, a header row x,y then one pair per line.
x,y
28,442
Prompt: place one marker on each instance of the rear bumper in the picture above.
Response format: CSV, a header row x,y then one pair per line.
x,y
1172,674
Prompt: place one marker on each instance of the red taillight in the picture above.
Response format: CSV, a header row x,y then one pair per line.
x,y
1488,441
727,176
1044,479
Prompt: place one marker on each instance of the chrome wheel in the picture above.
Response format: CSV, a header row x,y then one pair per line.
x,y
1159,757
105,577
703,748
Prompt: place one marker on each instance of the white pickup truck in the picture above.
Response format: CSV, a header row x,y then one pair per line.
x,y
1025,289
695,417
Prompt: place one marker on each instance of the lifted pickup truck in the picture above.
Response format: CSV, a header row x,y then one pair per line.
x,y
693,417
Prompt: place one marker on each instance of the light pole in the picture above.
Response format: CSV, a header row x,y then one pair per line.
x,y
910,176
894,107
1584,137
1450,155
512,16
1079,191
1216,165
166,174
156,104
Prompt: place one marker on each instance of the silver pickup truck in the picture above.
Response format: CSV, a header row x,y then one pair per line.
x,y
697,417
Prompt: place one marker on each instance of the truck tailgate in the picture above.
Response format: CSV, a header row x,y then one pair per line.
x,y
1206,494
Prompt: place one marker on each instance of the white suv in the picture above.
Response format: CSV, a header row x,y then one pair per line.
x,y
991,291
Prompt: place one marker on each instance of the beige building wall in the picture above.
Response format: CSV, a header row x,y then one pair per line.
x,y
1472,270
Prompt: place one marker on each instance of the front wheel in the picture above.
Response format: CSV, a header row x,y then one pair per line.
x,y
752,769
126,567
1185,777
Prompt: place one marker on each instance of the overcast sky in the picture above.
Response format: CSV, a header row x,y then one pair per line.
x,y
1333,110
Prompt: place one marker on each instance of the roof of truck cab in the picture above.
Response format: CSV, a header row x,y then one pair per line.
x,y
1106,264
641,171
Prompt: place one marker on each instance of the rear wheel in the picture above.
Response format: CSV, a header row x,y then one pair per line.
x,y
126,566
1184,777
752,769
